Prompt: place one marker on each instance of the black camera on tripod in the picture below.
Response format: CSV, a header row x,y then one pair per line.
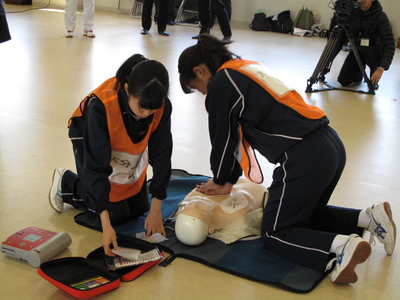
x,y
344,10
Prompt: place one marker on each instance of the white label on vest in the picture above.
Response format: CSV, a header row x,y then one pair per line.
x,y
234,203
127,168
264,75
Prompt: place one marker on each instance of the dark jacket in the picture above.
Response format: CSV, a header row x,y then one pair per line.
x,y
270,126
374,25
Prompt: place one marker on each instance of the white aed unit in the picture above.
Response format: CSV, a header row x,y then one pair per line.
x,y
35,245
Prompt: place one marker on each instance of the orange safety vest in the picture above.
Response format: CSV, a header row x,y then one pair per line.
x,y
129,161
281,93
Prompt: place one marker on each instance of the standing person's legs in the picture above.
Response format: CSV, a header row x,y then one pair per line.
x,y
4,30
156,10
171,12
228,7
146,15
88,15
70,14
223,19
205,15
163,15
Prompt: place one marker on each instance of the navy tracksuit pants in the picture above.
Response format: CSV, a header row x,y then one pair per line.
x,y
73,192
297,223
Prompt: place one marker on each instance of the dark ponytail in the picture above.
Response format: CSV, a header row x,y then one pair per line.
x,y
208,50
125,69
149,81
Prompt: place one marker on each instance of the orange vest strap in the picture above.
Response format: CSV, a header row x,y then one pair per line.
x,y
248,161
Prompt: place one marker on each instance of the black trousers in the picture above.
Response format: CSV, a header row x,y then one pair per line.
x,y
297,223
162,14
350,72
73,192
220,12
228,7
4,31
171,10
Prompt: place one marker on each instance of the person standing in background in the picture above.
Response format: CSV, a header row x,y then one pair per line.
x,y
88,17
162,16
228,7
4,31
171,12
222,16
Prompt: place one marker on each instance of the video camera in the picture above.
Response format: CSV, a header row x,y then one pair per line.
x,y
344,10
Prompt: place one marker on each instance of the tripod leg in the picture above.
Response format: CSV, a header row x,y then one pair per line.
x,y
325,61
359,62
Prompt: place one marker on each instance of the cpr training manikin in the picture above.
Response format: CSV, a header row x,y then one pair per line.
x,y
224,217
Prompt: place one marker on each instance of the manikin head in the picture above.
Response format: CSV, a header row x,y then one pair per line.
x,y
199,215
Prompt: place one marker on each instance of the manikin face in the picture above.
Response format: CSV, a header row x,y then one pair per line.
x,y
366,4
203,77
221,210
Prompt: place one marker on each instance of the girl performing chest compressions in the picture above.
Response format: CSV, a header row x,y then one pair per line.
x,y
248,105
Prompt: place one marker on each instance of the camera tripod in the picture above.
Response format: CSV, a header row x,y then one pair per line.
x,y
325,62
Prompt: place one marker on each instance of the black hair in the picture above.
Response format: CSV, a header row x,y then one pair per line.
x,y
149,81
209,50
125,69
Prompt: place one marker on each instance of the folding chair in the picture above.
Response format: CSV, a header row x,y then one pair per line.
x,y
137,7
188,13
121,9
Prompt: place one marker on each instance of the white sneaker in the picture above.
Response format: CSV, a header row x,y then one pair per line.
x,y
69,34
89,33
353,252
382,226
55,196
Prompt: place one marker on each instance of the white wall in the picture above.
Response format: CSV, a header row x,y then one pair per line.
x,y
243,10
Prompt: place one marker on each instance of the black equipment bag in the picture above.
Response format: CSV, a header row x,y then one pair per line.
x,y
260,22
281,23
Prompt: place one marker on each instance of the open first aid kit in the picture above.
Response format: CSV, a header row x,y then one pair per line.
x,y
98,273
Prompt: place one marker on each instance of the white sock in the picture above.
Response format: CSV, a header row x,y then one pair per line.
x,y
338,241
364,219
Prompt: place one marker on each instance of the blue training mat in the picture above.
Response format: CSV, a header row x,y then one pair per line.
x,y
247,259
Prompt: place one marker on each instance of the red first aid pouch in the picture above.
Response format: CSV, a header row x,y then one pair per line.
x,y
90,276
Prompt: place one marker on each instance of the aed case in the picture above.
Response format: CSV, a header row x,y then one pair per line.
x,y
88,277
35,245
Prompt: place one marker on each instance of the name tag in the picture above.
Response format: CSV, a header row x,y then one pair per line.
x,y
364,42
